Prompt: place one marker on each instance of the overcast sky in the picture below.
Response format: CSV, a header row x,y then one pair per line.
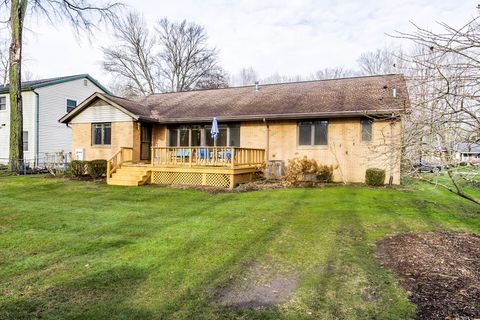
x,y
289,37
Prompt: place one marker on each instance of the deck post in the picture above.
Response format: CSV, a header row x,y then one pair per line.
x,y
190,157
108,169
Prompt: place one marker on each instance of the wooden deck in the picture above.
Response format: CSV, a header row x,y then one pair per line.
x,y
223,167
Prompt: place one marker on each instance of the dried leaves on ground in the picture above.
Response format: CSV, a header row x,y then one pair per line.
x,y
440,271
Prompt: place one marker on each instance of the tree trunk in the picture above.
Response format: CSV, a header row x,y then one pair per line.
x,y
17,15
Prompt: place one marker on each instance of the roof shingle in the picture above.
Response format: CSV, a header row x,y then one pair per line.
x,y
337,97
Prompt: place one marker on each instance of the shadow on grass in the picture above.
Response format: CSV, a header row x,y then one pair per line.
x,y
352,283
100,295
198,301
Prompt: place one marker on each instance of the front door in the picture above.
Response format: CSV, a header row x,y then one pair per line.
x,y
145,141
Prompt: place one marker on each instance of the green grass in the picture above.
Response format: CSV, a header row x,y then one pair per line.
x,y
81,250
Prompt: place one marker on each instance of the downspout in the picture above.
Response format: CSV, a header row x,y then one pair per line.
x,y
37,127
392,150
267,140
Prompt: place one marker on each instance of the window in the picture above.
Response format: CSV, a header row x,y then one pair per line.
x,y
71,104
313,133
25,140
199,135
101,133
366,127
3,103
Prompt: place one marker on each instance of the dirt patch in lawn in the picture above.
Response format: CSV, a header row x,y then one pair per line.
x,y
440,271
260,287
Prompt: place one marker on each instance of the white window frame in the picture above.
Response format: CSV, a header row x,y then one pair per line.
x,y
5,104
25,132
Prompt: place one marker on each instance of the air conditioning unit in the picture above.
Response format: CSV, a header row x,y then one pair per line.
x,y
80,154
274,169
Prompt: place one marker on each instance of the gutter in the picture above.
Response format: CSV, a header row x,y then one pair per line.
x,y
37,127
291,116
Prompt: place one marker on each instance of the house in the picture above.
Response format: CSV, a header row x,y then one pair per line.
x,y
44,102
351,123
468,152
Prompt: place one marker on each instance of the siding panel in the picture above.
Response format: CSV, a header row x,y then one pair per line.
x,y
55,136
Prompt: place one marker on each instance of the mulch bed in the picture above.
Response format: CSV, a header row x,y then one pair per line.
x,y
440,271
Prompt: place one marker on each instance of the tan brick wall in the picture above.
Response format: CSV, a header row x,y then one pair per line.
x,y
344,149
159,136
122,133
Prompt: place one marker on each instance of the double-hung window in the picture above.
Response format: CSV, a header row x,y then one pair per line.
x,y
3,103
313,133
101,134
25,140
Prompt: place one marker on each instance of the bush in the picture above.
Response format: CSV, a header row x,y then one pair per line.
x,y
77,168
305,169
325,173
97,168
375,177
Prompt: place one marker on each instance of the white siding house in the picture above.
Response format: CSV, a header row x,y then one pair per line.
x,y
44,102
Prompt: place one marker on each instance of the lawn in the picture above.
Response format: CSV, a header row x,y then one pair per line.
x,y
85,250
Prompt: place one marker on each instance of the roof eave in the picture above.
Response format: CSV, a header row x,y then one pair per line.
x,y
86,103
291,116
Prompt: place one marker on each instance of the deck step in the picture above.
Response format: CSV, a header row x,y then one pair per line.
x,y
129,176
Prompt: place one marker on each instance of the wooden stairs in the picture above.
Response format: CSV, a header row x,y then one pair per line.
x,y
130,176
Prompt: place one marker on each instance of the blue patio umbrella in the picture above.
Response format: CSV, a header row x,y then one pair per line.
x,y
214,131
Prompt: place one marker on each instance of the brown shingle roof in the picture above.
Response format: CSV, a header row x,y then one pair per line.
x,y
337,97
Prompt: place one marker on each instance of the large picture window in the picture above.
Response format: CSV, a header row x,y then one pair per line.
x,y
199,135
366,129
101,134
313,133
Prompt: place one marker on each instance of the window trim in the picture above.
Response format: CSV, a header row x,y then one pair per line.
x,y
312,144
23,141
4,104
66,104
92,131
361,130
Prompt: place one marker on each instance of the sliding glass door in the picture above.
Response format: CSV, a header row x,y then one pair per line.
x,y
199,135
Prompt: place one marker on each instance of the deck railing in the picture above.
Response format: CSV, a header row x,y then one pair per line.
x,y
208,156
124,154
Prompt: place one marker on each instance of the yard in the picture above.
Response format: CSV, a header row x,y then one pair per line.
x,y
85,250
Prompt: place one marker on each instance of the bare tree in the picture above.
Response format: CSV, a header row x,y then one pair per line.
x,y
333,73
381,61
245,77
133,57
185,58
444,73
4,62
82,15
214,79
174,58
282,78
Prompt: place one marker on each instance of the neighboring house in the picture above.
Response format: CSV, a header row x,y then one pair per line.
x,y
352,124
467,152
44,102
